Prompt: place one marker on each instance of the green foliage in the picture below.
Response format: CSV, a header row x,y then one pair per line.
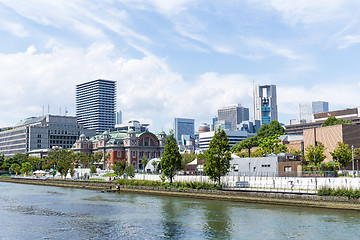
x,y
109,175
271,145
62,159
144,162
187,158
245,144
26,167
92,169
319,153
130,171
178,185
218,156
332,120
329,166
15,167
171,159
119,167
35,162
339,192
265,137
270,130
96,157
82,159
342,154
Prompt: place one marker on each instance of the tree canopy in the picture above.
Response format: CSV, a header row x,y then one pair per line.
x,y
265,135
332,120
342,154
318,151
218,156
171,159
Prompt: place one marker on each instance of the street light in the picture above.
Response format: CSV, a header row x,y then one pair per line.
x,y
352,151
357,166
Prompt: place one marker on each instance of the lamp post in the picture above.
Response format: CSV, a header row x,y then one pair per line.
x,y
352,153
357,166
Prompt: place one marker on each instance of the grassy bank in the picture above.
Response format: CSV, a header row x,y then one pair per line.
x,y
166,185
339,192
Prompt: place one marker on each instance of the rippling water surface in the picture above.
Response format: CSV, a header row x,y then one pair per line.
x,y
41,212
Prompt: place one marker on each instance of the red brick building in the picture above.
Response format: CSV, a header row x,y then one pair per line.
x,y
123,145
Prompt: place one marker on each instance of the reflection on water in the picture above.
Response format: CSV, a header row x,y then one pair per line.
x,y
218,224
41,212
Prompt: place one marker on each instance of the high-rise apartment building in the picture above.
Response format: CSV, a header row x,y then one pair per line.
x,y
233,113
306,110
95,104
184,126
265,104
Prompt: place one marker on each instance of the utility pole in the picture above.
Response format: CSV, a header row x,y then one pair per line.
x,y
352,153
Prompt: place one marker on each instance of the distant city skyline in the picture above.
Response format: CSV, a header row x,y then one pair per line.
x,y
177,58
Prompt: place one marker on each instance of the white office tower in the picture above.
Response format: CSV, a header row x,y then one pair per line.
x,y
307,110
95,105
265,104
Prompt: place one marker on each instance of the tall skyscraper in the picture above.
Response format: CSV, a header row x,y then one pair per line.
x,y
184,126
233,113
265,104
118,117
95,104
306,110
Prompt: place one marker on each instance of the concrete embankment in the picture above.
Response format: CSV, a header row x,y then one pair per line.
x,y
287,199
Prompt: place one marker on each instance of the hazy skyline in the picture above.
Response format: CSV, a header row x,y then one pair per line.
x,y
177,58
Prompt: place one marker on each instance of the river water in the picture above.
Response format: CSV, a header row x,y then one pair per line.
x,y
42,212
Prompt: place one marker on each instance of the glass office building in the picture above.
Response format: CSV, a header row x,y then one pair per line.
x,y
184,126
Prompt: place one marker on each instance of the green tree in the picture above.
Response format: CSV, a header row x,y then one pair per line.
x,y
35,162
218,156
270,130
119,167
2,160
342,154
171,159
332,120
187,158
82,159
144,162
92,169
62,159
155,165
26,167
318,150
130,171
271,145
15,167
245,144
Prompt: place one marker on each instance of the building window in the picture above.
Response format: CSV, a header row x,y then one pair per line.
x,y
39,141
265,165
287,169
236,167
133,154
39,135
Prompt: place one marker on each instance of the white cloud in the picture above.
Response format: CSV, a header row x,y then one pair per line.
x,y
350,40
15,28
147,88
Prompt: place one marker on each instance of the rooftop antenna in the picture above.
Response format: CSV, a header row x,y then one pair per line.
x,y
65,111
48,108
43,111
60,112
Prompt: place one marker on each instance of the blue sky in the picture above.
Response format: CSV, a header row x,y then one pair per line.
x,y
177,58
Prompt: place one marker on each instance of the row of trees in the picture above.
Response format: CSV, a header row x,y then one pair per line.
x,y
58,159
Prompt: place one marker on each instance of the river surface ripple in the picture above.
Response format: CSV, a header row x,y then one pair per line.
x,y
43,212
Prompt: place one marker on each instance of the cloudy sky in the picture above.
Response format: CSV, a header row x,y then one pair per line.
x,y
178,58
